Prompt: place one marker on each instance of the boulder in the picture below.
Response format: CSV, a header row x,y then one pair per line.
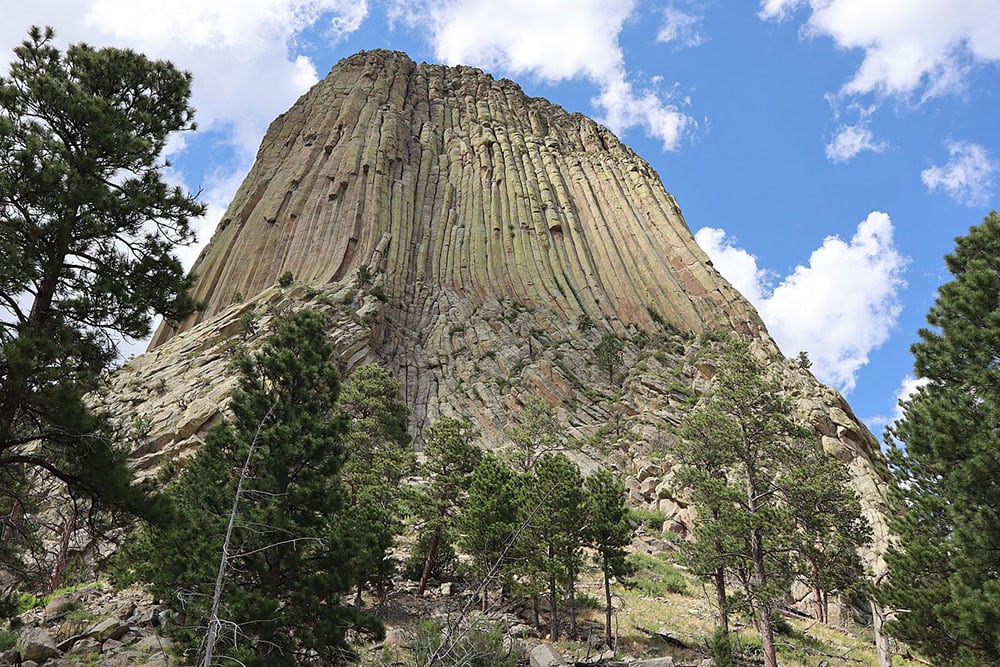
x,y
544,655
36,644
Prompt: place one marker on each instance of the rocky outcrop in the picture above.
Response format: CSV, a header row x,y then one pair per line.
x,y
458,183
92,626
464,235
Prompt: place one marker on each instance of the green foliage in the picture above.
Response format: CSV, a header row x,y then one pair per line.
x,y
803,360
721,649
651,520
760,495
608,530
85,259
584,322
489,522
554,509
654,576
286,279
363,276
482,645
277,464
536,433
452,457
609,355
944,568
8,639
378,458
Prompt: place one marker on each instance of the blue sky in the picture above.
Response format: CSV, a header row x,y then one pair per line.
x,y
824,152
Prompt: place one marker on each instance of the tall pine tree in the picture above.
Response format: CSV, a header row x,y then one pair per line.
x,y
88,227
944,571
260,516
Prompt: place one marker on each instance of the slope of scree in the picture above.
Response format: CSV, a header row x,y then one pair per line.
x,y
491,221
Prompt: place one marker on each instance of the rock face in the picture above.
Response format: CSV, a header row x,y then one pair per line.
x,y
459,233
465,190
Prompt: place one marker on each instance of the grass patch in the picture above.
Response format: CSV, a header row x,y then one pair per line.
x,y
656,576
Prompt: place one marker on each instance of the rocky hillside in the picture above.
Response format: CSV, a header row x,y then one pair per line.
x,y
460,233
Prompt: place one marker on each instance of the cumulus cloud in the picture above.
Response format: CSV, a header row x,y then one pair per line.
x,y
907,387
736,264
245,55
968,175
518,37
923,48
850,140
680,28
839,307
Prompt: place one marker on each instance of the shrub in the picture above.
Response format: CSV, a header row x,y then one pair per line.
x,y
651,519
286,279
482,645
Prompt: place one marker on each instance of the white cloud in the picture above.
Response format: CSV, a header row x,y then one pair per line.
x,y
920,47
680,27
968,175
838,308
851,140
737,265
247,62
907,388
519,37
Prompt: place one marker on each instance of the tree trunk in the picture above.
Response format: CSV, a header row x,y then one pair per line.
x,y
762,608
605,566
720,594
572,610
429,563
818,605
553,611
358,601
883,648
767,635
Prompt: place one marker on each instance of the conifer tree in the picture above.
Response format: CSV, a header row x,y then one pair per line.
x,y
757,485
277,562
88,228
553,505
489,524
608,531
378,457
452,456
537,432
610,355
944,571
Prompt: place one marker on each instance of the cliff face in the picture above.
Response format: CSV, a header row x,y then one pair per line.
x,y
490,222
453,181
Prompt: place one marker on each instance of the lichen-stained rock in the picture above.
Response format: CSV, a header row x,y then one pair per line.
x,y
492,225
477,188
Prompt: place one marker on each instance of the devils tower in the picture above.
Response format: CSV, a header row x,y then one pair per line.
x,y
462,234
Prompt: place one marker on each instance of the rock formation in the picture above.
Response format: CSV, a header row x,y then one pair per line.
x,y
457,232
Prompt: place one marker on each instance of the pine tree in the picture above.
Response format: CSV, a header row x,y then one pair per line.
x,y
452,456
277,560
378,458
489,524
759,487
610,355
944,571
608,531
536,433
85,254
553,505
